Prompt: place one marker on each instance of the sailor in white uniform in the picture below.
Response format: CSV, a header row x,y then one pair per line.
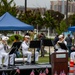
x,y
72,55
61,40
25,47
3,53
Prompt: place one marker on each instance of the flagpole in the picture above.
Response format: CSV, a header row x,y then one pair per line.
x,y
67,12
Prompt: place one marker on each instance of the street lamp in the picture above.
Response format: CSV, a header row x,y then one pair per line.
x,y
67,12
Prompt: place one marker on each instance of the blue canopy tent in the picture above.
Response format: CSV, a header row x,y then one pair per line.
x,y
72,28
8,22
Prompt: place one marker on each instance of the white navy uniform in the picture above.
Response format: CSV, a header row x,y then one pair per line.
x,y
4,54
59,48
25,47
72,56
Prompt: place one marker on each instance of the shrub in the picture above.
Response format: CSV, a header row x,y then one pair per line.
x,y
12,38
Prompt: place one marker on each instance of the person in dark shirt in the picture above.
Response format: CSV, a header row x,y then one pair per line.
x,y
68,39
56,39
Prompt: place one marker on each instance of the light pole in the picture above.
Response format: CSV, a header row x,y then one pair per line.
x,y
67,12
25,6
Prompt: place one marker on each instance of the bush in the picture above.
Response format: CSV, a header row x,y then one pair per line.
x,y
12,38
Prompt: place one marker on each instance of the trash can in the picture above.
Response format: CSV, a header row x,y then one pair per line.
x,y
59,62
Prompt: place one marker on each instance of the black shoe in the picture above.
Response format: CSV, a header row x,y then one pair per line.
x,y
4,66
34,62
28,63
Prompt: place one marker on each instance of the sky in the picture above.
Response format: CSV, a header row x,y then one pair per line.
x,y
34,3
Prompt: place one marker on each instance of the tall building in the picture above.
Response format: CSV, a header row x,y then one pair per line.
x,y
60,6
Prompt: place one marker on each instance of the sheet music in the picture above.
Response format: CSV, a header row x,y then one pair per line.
x,y
63,46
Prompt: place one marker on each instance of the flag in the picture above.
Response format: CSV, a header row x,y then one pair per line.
x,y
63,73
32,72
55,73
18,70
43,73
47,71
40,73
60,73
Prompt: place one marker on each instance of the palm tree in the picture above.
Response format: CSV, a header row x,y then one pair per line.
x,y
5,6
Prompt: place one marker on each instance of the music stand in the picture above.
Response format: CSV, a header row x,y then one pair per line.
x,y
47,42
34,44
14,48
63,46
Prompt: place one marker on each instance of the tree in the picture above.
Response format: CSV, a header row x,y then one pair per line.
x,y
54,18
6,6
71,19
49,21
32,17
62,27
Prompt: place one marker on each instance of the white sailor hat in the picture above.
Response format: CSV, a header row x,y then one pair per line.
x,y
27,36
60,36
5,38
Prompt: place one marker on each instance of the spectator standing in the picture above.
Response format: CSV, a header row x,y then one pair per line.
x,y
42,37
68,39
56,39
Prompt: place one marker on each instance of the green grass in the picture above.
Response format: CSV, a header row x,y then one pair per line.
x,y
44,59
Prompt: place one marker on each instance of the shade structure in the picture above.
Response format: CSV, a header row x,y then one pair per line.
x,y
9,22
72,28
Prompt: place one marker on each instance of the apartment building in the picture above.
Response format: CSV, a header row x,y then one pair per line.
x,y
60,5
41,10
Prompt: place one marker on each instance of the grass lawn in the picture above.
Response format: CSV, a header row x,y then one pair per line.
x,y
44,59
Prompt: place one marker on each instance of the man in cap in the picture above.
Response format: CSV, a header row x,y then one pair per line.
x,y
25,47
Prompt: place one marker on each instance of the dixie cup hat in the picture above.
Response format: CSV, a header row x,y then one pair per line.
x,y
60,36
27,36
